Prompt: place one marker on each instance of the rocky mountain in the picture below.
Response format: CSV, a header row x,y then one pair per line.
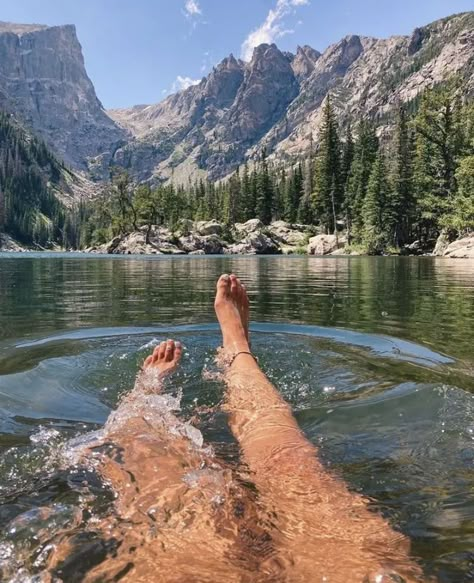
x,y
275,100
44,82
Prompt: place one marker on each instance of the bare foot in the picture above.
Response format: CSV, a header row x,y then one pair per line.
x,y
165,357
232,309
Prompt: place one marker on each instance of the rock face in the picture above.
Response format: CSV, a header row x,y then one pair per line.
x,y
325,244
273,101
461,249
442,243
8,244
304,62
206,238
43,80
276,100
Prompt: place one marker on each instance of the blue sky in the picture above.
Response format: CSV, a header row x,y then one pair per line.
x,y
137,51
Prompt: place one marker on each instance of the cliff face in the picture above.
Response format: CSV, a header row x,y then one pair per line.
x,y
44,82
276,100
208,129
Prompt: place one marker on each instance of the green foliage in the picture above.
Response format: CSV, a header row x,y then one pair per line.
x,y
29,210
365,152
461,217
378,219
403,199
327,197
264,192
443,138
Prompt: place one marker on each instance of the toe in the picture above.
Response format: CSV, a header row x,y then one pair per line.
x,y
178,351
161,351
234,285
169,351
223,289
148,361
223,283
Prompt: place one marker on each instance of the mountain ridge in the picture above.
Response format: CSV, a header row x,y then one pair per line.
x,y
205,131
366,76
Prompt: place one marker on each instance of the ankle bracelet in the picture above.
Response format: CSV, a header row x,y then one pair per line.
x,y
234,356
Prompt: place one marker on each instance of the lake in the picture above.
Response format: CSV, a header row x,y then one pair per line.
x,y
375,355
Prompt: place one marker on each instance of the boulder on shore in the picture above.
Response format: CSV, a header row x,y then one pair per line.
x,y
288,234
205,228
209,245
442,244
254,244
325,244
251,226
461,249
206,237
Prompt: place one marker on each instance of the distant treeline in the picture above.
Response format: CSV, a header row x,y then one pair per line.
x,y
385,193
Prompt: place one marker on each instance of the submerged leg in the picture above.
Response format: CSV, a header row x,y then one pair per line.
x,y
326,529
178,515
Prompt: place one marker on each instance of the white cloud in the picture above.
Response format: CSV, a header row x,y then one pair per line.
x,y
192,8
182,83
272,28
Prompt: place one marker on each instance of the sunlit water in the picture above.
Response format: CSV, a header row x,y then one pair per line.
x,y
375,356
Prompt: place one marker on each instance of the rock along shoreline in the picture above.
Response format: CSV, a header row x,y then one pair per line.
x,y
250,238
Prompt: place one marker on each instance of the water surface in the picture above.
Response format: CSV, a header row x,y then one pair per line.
x,y
375,356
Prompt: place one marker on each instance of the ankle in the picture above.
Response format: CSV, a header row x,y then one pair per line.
x,y
232,346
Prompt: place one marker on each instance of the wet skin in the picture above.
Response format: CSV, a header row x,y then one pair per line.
x,y
298,523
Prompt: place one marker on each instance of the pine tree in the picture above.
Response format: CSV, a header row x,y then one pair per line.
x,y
293,193
327,181
146,203
346,165
438,146
264,191
247,198
121,195
461,217
347,156
403,200
365,152
376,214
234,214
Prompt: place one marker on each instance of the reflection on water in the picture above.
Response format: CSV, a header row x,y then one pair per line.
x,y
374,355
430,301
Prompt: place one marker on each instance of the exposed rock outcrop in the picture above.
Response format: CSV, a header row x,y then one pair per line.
x,y
44,81
10,245
461,249
325,244
442,243
207,238
276,100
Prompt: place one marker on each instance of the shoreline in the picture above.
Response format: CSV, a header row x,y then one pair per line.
x,y
210,238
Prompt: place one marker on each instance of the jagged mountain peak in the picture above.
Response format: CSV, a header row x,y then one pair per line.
x,y
304,61
266,55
